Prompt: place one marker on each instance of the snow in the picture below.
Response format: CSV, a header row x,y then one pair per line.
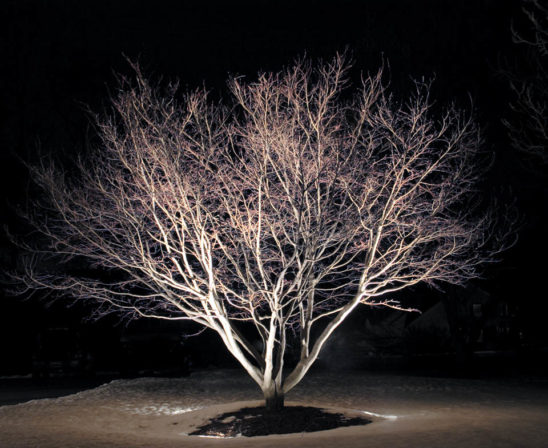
x,y
407,411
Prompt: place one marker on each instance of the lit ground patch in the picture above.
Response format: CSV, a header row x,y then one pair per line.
x,y
407,412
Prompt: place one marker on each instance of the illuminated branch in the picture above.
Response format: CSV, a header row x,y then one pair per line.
x,y
288,213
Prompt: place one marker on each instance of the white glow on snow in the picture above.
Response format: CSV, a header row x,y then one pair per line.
x,y
163,409
215,437
177,411
373,414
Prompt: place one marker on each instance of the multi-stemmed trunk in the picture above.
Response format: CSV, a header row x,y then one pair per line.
x,y
269,368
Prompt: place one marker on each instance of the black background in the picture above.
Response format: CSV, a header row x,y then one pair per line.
x,y
59,57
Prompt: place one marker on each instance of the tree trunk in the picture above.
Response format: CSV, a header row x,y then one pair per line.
x,y
273,398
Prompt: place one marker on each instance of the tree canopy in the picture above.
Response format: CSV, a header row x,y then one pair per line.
x,y
287,208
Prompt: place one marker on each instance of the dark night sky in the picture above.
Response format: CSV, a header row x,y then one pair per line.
x,y
58,57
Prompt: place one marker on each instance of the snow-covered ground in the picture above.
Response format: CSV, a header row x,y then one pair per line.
x,y
408,412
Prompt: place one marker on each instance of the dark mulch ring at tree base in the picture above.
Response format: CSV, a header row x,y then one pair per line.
x,y
251,422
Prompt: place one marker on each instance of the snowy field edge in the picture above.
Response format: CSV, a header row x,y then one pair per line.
x,y
407,411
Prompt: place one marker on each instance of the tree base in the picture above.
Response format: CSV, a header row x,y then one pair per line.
x,y
251,422
274,403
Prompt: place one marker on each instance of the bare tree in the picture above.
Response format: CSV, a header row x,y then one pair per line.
x,y
286,211
528,127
